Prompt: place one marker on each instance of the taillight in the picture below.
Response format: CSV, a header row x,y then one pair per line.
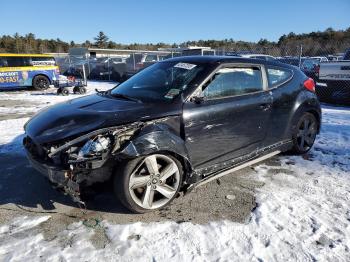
x,y
309,84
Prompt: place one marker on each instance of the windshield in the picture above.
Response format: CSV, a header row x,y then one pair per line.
x,y
160,82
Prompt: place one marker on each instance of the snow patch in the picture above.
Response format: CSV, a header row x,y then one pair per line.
x,y
22,223
11,135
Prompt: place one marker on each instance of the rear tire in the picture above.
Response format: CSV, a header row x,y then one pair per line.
x,y
304,133
41,83
142,187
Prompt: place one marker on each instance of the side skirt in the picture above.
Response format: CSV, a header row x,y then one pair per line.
x,y
236,168
205,175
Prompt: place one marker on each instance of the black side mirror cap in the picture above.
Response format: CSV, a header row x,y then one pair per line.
x,y
197,99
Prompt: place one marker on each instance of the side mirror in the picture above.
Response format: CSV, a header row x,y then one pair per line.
x,y
197,99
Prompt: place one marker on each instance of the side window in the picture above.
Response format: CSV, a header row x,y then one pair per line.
x,y
277,76
15,61
3,62
232,81
27,61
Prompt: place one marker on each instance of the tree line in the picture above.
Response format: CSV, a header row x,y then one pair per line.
x,y
329,41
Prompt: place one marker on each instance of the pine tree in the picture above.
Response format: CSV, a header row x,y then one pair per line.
x,y
17,41
101,40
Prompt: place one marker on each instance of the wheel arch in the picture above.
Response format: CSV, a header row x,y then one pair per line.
x,y
305,103
158,138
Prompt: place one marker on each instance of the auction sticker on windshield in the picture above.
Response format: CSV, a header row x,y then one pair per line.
x,y
185,66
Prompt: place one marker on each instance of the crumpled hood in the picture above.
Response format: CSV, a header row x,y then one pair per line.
x,y
83,115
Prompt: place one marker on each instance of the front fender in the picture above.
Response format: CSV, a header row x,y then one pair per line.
x,y
155,138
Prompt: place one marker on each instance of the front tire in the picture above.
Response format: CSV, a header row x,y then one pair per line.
x,y
148,183
41,83
304,133
79,90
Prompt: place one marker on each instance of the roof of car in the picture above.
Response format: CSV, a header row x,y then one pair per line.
x,y
250,55
224,59
26,55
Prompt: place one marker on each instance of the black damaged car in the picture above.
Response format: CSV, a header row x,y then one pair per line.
x,y
174,126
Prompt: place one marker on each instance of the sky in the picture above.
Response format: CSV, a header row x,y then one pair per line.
x,y
147,21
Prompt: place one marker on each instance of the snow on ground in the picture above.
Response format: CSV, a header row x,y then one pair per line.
x,y
11,135
303,214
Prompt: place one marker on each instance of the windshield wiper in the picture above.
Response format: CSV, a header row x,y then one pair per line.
x,y
101,92
116,95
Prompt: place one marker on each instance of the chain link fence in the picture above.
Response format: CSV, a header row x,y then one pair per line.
x,y
322,63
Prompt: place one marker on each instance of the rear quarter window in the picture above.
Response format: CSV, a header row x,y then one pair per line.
x,y
277,76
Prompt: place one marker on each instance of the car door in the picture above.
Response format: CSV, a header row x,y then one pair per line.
x,y
230,117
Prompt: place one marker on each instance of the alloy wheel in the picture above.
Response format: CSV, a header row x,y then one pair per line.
x,y
154,182
307,131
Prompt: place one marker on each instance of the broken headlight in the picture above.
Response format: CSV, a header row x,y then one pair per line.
x,y
95,146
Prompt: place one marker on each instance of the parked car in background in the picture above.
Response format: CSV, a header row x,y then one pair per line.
x,y
27,70
320,59
347,55
198,51
109,68
139,61
336,75
311,68
259,56
174,126
290,61
334,57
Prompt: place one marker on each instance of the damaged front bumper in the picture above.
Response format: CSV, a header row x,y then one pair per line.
x,y
72,172
59,177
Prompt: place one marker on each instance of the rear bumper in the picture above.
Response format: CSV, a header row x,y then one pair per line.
x,y
59,177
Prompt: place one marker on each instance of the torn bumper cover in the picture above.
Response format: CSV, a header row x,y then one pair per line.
x,y
75,164
59,177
